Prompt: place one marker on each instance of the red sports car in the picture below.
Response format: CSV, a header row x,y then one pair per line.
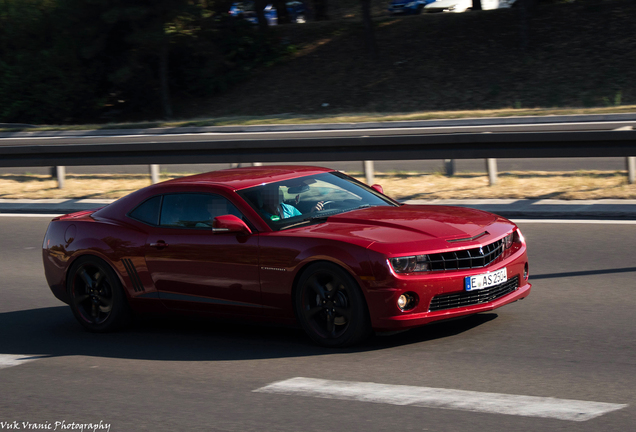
x,y
285,244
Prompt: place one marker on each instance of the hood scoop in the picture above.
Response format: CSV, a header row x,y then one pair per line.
x,y
475,237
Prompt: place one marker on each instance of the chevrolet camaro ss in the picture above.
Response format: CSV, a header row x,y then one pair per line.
x,y
292,245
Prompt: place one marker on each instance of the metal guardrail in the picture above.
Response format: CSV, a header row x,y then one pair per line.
x,y
358,148
189,149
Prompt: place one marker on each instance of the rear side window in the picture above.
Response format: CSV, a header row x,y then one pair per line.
x,y
148,211
191,210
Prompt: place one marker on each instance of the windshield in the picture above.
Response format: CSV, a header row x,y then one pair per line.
x,y
310,199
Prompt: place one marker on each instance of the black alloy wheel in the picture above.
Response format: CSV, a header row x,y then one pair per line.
x,y
97,298
330,306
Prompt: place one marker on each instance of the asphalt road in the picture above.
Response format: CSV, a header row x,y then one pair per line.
x,y
572,338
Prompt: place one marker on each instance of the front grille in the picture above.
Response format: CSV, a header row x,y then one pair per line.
x,y
467,259
471,298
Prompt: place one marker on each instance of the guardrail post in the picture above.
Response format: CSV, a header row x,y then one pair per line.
x,y
491,166
631,169
369,174
60,174
154,173
449,167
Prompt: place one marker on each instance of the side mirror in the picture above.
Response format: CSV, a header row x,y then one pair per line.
x,y
229,223
378,188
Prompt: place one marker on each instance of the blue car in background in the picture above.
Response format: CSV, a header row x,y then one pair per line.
x,y
247,11
407,7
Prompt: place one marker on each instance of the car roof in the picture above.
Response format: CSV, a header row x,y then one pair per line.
x,y
242,178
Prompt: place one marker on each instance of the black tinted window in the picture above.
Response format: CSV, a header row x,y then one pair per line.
x,y
194,210
148,211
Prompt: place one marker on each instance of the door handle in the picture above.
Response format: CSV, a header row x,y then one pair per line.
x,y
159,245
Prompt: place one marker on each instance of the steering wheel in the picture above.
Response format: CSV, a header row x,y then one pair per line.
x,y
325,203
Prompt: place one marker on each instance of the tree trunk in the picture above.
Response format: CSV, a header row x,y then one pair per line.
x,y
369,35
320,10
526,8
163,78
476,4
260,14
281,11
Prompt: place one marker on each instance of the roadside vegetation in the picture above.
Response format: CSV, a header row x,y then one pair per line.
x,y
289,119
404,185
106,61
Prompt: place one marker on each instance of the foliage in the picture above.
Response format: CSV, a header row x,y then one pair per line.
x,y
224,53
76,60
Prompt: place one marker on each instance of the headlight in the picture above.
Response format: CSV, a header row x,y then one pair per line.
x,y
409,5
410,264
508,240
519,237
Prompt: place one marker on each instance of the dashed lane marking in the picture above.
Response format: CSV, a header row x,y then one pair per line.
x,y
9,360
494,403
30,215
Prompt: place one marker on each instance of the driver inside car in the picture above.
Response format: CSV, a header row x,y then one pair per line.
x,y
273,205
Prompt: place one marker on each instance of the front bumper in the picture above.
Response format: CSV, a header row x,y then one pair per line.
x,y
403,322
386,316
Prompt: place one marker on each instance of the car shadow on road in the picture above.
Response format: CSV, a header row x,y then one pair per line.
x,y
54,332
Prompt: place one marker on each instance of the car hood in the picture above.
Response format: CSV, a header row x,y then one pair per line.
x,y
411,228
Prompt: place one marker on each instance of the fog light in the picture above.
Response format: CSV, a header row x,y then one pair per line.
x,y
525,272
407,301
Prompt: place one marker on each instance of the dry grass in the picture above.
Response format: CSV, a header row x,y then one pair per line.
x,y
514,185
288,119
77,185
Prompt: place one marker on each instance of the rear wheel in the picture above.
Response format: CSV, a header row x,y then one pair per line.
x,y
97,297
330,306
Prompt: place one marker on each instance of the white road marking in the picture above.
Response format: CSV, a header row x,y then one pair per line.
x,y
30,215
576,221
494,403
9,360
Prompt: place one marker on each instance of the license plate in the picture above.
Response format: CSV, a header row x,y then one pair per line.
x,y
486,280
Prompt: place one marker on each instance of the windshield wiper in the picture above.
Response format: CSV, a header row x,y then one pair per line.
x,y
324,215
321,217
304,221
361,207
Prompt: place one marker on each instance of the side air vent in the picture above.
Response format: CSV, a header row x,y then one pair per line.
x,y
133,275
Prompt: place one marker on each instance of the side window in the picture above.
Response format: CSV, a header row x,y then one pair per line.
x,y
194,210
148,211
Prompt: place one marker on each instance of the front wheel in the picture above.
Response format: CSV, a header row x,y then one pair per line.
x,y
330,306
97,298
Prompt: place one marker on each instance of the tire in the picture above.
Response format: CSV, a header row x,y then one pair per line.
x,y
97,298
330,306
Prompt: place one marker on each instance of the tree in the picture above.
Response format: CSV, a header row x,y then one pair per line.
x,y
321,10
260,14
148,30
369,34
282,12
526,8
